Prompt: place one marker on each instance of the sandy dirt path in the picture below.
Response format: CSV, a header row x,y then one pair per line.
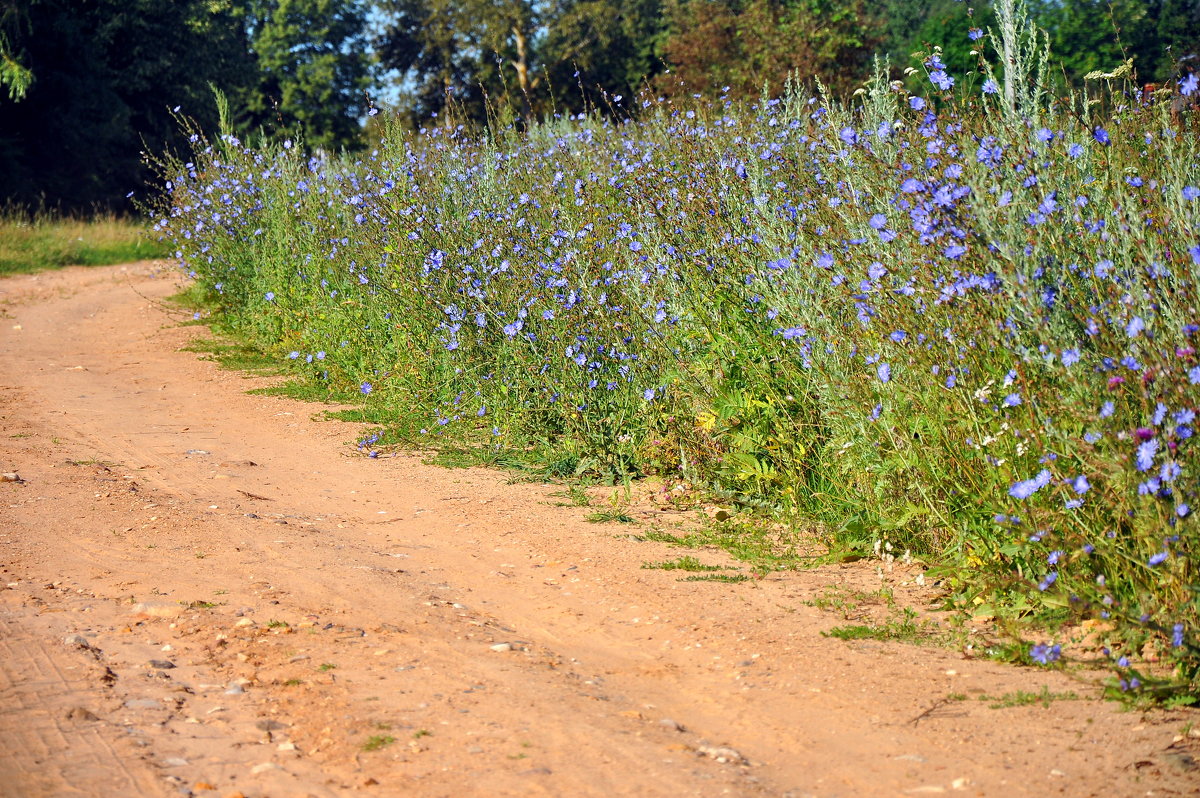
x,y
205,592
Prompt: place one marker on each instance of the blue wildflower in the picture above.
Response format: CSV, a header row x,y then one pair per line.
x,y
1045,654
939,78
1145,454
1027,487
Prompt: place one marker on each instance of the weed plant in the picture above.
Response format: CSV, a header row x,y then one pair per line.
x,y
962,321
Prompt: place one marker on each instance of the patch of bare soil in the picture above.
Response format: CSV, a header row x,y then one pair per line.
x,y
203,592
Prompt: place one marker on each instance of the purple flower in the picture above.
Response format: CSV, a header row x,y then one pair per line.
x,y
876,270
1045,654
269,296
1048,581
1075,150
648,394
1157,559
939,78
1027,487
955,251
1183,510
848,135
1187,86
1177,630
1145,454
916,103
1070,357
1135,327
1012,400
878,221
884,371
1101,136
1190,192
366,388
974,34
1195,253
912,186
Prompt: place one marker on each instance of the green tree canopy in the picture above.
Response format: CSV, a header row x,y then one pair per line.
x,y
312,69
749,44
104,76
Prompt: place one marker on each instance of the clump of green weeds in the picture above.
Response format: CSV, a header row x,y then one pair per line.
x,y
378,741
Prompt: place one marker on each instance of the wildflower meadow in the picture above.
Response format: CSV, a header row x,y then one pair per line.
x,y
956,313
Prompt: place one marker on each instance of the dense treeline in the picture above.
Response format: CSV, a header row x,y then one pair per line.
x,y
87,86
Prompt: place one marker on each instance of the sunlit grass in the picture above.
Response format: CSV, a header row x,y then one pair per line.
x,y
35,242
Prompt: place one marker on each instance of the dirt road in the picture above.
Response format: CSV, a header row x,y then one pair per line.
x,y
205,592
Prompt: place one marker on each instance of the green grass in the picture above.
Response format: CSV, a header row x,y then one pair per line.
x,y
684,563
611,515
575,495
377,741
746,537
1023,698
236,356
902,627
730,579
33,243
845,601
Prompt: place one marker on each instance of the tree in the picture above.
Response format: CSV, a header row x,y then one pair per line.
x,y
313,69
598,47
1162,36
472,53
13,73
749,44
104,75
531,57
